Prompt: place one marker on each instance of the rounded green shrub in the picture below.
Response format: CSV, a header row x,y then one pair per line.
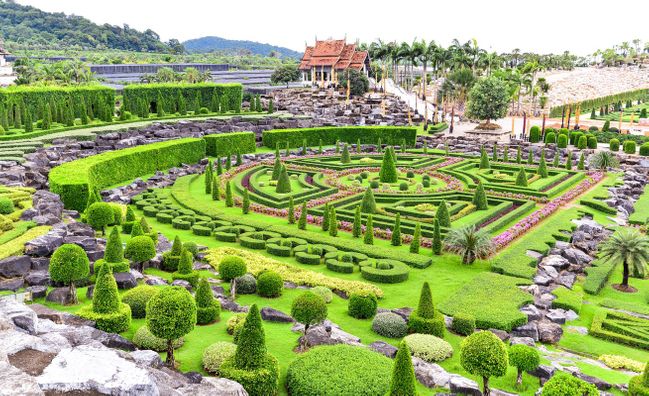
x,y
215,354
362,306
629,147
137,298
143,339
562,141
429,348
535,134
485,355
614,144
191,247
637,387
246,284
139,249
69,264
463,324
231,267
563,384
524,358
357,371
582,143
309,309
389,324
591,142
644,149
208,309
550,137
6,206
112,322
99,215
269,284
324,292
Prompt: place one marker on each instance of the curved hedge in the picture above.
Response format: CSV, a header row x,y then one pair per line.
x,y
385,271
75,180
136,94
222,144
329,135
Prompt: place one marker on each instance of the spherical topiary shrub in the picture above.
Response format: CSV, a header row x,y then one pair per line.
x,y
231,267
309,309
550,137
140,249
562,141
614,144
99,215
324,292
137,298
535,133
389,324
591,142
485,355
357,371
562,384
374,184
629,147
215,354
644,149
69,264
524,358
6,206
429,348
143,339
246,284
269,284
463,324
639,385
362,306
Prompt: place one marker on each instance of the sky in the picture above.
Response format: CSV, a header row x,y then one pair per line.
x,y
578,26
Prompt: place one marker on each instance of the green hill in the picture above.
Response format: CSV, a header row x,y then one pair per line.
x,y
219,44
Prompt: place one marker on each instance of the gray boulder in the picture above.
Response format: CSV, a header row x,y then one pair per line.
x,y
125,280
549,333
463,386
60,295
15,266
430,375
527,330
273,315
384,348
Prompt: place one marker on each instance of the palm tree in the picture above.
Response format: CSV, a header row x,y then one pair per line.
x,y
470,243
603,160
630,248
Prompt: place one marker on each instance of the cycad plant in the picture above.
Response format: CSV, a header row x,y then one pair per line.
x,y
603,160
629,248
470,243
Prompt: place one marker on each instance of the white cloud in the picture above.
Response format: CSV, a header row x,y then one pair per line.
x,y
579,26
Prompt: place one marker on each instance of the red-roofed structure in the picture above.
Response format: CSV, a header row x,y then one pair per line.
x,y
321,63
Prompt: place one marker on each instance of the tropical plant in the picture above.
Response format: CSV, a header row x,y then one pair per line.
x,y
630,248
470,243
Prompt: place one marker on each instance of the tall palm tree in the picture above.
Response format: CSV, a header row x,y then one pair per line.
x,y
630,248
470,243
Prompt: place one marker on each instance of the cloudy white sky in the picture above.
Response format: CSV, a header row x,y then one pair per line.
x,y
580,26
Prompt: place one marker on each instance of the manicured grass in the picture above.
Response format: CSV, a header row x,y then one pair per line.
x,y
16,246
641,208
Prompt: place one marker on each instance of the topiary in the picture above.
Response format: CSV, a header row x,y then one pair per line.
x,y
191,247
171,314
231,267
345,157
99,215
324,292
562,384
437,238
368,204
283,182
362,306
484,159
463,324
562,141
614,144
69,264
425,319
480,198
535,133
137,298
639,385
269,284
644,149
542,171
550,138
140,249
235,321
246,284
144,339
368,237
388,172
428,347
524,358
521,178
215,354
208,309
582,143
629,147
185,269
591,142
171,258
309,309
607,125
403,373
6,206
442,214
485,355
416,239
389,324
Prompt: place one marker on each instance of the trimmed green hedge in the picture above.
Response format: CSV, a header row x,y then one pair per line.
x,y
598,205
75,180
329,135
223,144
620,328
567,299
597,276
138,95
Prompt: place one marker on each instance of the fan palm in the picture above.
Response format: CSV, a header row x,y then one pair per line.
x,y
630,248
603,160
470,243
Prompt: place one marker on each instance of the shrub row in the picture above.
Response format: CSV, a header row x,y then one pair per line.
x,y
172,96
615,326
598,205
597,276
224,144
329,135
567,299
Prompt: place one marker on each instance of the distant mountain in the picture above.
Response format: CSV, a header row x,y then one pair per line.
x,y
219,44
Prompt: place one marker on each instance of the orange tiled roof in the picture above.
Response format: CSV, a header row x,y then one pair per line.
x,y
332,53
358,60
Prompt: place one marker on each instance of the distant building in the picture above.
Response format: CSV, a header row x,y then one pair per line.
x,y
321,63
3,54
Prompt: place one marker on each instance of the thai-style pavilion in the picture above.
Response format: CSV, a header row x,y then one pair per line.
x,y
321,63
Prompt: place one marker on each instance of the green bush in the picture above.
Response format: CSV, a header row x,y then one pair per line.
x,y
143,339
215,354
231,267
524,358
99,215
357,371
563,384
234,321
644,149
208,309
362,306
629,147
176,95
389,324
582,143
592,142
463,324
137,298
222,144
329,135
6,206
614,145
550,137
113,322
562,141
384,271
324,292
428,347
485,355
246,284
69,264
139,249
185,269
309,309
269,284
535,134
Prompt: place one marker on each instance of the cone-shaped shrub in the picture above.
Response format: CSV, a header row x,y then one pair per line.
x,y
283,182
484,159
416,239
521,178
301,223
320,146
480,198
581,165
186,268
245,206
519,158
291,211
208,178
356,227
396,232
304,147
368,204
219,167
368,238
208,309
251,346
344,157
388,172
105,298
358,146
494,156
437,238
543,168
426,309
333,222
442,215
228,162
325,218
425,319
176,247
136,230
530,157
114,252
145,225
130,215
229,200
403,373
215,188
555,161
506,154
569,161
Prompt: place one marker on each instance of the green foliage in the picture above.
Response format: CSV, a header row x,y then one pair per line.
x,y
139,249
291,211
358,82
629,147
6,206
325,217
403,373
105,298
362,306
245,205
389,324
485,355
484,159
329,135
582,143
137,298
283,182
550,137
569,160
215,354
521,178
396,230
99,215
301,224
562,141
543,168
416,239
222,144
368,204
251,346
524,358
463,324
113,322
580,164
69,264
208,308
356,227
229,199
388,172
442,214
309,309
488,99
535,134
200,94
285,74
563,384
344,157
429,348
215,190
368,237
270,284
333,222
644,149
144,339
231,267
480,198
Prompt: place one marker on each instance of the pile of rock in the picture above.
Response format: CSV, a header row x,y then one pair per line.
x,y
623,197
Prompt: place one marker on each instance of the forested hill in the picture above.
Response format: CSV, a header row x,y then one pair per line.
x,y
219,44
29,27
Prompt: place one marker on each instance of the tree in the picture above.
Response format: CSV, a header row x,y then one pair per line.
x,y
301,223
569,161
186,268
494,156
488,99
114,252
107,310
437,238
285,74
309,309
480,198
344,157
470,243
485,355
403,373
277,167
283,182
216,193
171,314
416,239
69,264
368,204
99,215
530,157
426,308
519,159
524,358
208,178
442,214
630,248
484,159
368,237
140,249
208,308
325,218
333,222
251,346
580,164
521,178
291,211
388,172
396,232
358,82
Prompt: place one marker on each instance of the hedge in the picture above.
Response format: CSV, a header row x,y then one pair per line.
x,y
75,180
601,101
644,149
223,144
620,328
597,276
137,94
329,135
567,299
629,147
598,205
385,271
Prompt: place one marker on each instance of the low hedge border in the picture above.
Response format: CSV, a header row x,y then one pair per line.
x,y
395,272
597,275
598,205
609,325
329,135
224,144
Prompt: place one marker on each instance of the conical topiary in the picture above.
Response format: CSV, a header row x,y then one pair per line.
x,y
358,146
580,164
403,373
356,227
216,188
251,345
136,230
555,162
176,247
185,265
442,214
208,309
345,157
245,205
506,154
368,238
368,204
388,172
130,215
229,199
480,198
521,178
208,178
283,182
333,222
530,157
569,161
426,308
519,159
495,153
301,223
396,232
543,168
291,211
105,297
416,239
484,159
114,252
219,167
